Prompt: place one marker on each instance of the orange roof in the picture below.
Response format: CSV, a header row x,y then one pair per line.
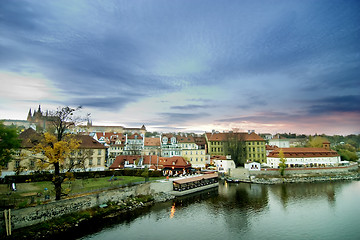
x,y
176,162
88,142
138,136
185,139
271,147
152,142
303,152
243,135
218,157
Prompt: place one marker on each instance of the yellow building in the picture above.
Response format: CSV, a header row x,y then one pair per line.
x,y
191,151
254,145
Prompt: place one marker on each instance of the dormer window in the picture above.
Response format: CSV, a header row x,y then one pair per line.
x,y
173,140
165,140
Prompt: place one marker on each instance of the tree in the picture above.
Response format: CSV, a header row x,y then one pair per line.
x,y
58,145
282,163
347,152
9,143
236,147
56,152
316,142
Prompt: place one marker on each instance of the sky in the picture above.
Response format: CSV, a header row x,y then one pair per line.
x,y
186,65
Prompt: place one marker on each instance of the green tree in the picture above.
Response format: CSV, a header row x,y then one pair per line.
x,y
282,164
236,147
347,152
58,145
9,143
316,142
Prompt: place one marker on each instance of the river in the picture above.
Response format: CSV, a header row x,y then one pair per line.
x,y
248,211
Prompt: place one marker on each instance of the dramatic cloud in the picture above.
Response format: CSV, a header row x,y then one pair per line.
x,y
265,65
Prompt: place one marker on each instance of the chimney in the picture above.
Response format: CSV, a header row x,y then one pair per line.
x,y
326,145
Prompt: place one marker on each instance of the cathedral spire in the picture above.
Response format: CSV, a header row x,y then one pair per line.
x,y
29,117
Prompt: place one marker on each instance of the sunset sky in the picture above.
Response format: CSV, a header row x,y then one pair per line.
x,y
186,65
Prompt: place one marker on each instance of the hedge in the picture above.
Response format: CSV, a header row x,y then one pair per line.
x,y
46,176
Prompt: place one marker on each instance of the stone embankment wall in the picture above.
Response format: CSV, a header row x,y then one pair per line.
x,y
243,174
33,215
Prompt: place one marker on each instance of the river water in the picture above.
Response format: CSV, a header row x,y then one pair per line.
x,y
248,211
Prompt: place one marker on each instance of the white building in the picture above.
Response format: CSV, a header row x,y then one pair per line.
x,y
304,157
279,142
253,166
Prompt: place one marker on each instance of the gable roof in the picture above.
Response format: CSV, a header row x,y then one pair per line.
x,y
303,152
185,139
87,142
152,142
177,162
29,138
241,136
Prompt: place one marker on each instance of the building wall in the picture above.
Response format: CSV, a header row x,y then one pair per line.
x,y
281,143
316,161
216,148
33,215
196,157
256,151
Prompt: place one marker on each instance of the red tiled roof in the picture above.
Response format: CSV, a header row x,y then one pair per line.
x,y
176,162
218,157
271,147
138,136
152,142
303,152
185,139
29,138
200,140
88,142
224,136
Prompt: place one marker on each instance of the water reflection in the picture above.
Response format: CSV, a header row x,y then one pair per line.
x,y
247,211
290,193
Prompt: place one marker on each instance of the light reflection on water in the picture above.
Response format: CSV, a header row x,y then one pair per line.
x,y
251,211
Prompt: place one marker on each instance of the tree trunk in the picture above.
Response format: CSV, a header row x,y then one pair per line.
x,y
57,181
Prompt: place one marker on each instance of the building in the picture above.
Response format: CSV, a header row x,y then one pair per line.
x,y
25,160
279,141
223,164
169,145
152,146
254,144
118,129
304,157
191,151
152,162
134,144
90,156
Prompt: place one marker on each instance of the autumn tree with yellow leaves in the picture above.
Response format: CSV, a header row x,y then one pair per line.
x,y
58,145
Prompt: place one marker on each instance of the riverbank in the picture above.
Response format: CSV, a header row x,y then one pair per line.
x,y
305,178
71,226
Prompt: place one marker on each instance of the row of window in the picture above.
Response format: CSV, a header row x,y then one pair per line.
x,y
254,155
257,149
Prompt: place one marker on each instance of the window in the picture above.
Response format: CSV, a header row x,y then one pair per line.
x,y
90,162
99,151
99,161
17,163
